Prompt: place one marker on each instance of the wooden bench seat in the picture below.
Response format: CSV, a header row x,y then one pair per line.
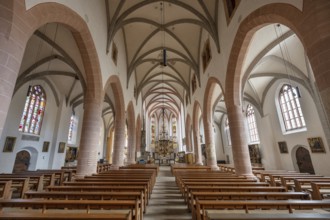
x,y
147,187
246,205
244,196
288,181
260,216
18,185
140,189
187,187
319,190
88,195
87,205
275,179
26,215
304,184
6,190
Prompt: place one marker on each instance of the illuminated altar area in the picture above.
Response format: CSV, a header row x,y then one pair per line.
x,y
163,144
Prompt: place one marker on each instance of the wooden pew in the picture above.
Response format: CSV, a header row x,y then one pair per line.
x,y
244,196
18,184
259,216
188,187
88,195
26,215
305,184
35,182
288,181
87,205
6,190
140,189
247,205
319,189
275,179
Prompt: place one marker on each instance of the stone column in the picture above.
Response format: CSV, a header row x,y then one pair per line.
x,y
131,144
209,145
119,142
88,153
188,139
197,147
239,141
109,146
13,38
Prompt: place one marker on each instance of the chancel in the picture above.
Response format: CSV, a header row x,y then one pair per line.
x,y
164,109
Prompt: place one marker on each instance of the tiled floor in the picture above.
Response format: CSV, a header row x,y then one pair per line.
x,y
166,202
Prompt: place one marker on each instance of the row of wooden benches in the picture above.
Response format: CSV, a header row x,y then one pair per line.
x,y
96,195
209,190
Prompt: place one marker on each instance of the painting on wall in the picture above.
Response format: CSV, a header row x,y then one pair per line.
x,y
9,144
283,147
61,147
255,155
316,145
45,146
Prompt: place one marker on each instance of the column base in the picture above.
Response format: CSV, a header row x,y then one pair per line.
x,y
199,163
248,176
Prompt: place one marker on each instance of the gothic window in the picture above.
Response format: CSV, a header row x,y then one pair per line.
x,y
33,110
290,108
227,131
252,125
72,136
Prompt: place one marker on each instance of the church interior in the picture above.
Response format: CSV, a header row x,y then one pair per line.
x,y
165,109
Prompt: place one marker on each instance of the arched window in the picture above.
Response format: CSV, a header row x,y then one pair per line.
x,y
227,131
290,108
72,136
33,110
252,125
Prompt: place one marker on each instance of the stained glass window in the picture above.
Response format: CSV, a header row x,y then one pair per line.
x,y
252,125
72,136
290,107
227,131
33,111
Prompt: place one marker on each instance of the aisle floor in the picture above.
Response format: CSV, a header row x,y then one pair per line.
x,y
166,202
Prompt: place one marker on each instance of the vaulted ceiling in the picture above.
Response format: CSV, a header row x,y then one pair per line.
x,y
151,27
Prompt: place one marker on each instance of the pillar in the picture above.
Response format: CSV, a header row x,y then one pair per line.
x,y
88,149
197,147
119,142
239,141
209,145
109,146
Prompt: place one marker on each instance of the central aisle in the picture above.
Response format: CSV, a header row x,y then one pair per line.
x,y
166,202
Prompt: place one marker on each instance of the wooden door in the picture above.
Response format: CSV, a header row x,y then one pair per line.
x,y
304,161
22,161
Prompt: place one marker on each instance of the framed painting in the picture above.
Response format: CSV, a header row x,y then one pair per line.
x,y
283,147
9,144
61,147
45,146
316,144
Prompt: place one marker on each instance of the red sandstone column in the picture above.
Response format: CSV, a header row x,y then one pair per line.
x,y
188,139
197,147
13,40
119,142
109,146
239,141
89,142
209,145
131,144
